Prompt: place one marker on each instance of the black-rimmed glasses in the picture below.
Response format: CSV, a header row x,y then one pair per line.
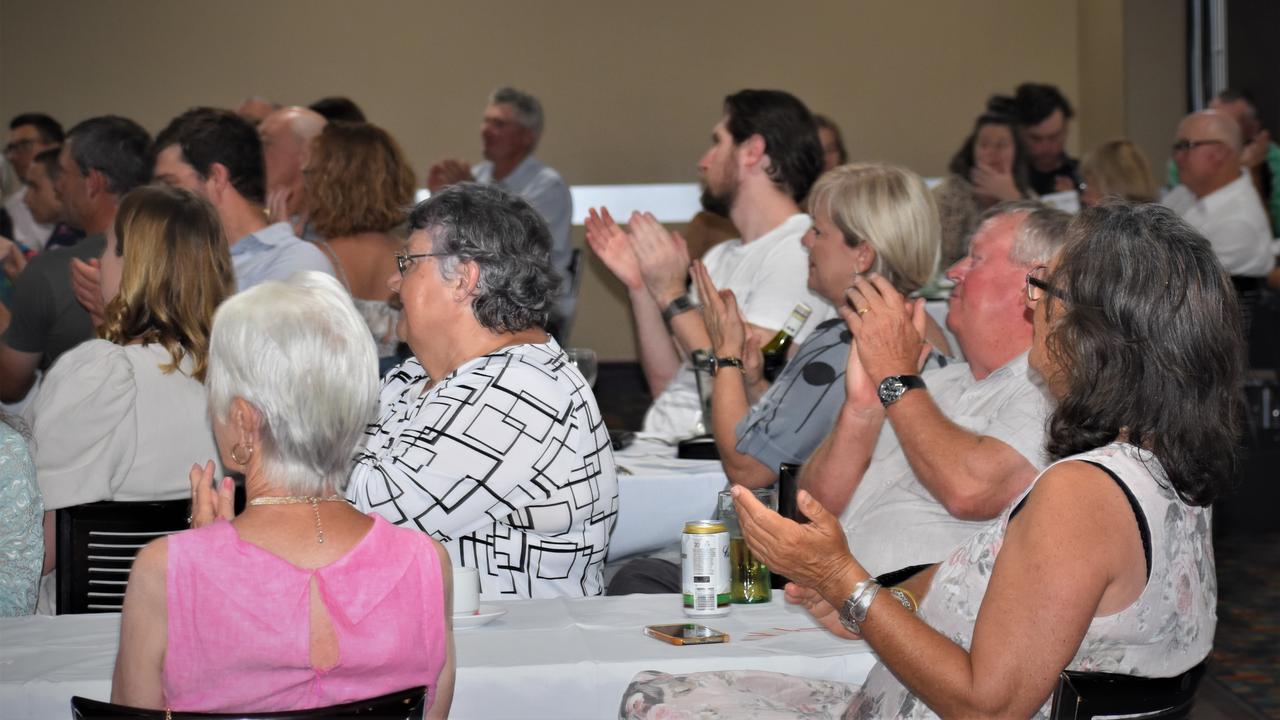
x,y
404,262
1037,287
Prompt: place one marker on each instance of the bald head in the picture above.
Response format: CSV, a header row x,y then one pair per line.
x,y
286,141
1207,151
1240,110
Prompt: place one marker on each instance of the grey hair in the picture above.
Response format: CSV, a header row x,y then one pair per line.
x,y
1040,233
298,352
506,239
528,109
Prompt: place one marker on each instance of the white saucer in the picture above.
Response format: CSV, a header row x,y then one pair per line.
x,y
483,616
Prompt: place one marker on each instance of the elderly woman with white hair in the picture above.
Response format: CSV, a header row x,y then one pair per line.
x,y
301,598
488,438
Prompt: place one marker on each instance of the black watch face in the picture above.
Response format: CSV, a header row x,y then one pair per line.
x,y
891,389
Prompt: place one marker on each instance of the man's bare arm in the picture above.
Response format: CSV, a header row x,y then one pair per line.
x,y
17,373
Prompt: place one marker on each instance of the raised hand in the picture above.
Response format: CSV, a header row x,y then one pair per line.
x,y
86,283
448,172
11,258
1255,152
815,554
883,323
721,315
663,257
207,504
993,183
612,245
278,205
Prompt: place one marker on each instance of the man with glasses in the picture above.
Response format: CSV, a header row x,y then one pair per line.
x,y
916,462
1218,199
29,134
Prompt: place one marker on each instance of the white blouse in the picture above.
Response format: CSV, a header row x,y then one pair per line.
x,y
109,424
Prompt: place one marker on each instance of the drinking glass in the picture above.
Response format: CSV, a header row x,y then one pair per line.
x,y
585,360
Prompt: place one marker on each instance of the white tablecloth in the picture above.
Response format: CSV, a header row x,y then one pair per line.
x,y
543,659
657,494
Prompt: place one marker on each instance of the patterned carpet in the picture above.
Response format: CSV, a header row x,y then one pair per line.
x,y
1246,653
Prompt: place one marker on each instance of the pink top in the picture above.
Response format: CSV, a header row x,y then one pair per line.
x,y
239,631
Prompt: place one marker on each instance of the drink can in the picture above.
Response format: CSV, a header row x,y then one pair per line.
x,y
704,568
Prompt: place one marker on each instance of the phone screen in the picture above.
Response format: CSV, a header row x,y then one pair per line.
x,y
686,634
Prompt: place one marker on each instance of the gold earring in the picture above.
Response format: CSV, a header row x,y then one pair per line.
x,y
235,453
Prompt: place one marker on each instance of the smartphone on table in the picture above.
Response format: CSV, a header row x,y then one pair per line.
x,y
686,634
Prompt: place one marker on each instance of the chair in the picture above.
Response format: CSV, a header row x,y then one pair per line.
x,y
400,705
96,546
559,326
1082,695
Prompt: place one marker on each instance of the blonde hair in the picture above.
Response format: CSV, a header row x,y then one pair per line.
x,y
889,207
177,269
1119,169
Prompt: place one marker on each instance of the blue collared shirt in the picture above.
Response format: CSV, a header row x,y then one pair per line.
x,y
274,253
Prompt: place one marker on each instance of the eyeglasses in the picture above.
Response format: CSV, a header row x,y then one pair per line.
x,y
1186,145
19,146
1036,287
404,262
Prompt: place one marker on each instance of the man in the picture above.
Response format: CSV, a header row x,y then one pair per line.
x,y
1218,198
217,154
1044,118
43,201
256,108
102,159
1259,155
963,440
511,128
29,134
764,157
286,142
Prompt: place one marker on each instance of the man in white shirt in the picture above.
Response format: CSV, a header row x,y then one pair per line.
x,y
764,157
29,134
1217,198
960,442
511,128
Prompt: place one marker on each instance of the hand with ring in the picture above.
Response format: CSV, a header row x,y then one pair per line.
x,y
887,327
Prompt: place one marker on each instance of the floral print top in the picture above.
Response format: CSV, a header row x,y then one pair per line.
x,y
1166,631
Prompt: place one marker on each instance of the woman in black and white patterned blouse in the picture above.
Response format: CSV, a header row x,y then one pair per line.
x,y
488,438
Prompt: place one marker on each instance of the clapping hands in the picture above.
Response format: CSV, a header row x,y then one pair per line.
x,y
448,172
208,504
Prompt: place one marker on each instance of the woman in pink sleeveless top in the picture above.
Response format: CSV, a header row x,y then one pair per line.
x,y
301,601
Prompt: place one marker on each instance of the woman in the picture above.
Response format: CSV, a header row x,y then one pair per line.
x,y
1116,169
305,601
866,218
833,153
120,418
21,513
1105,562
488,438
359,184
990,167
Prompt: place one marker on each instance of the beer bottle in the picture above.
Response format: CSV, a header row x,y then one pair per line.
x,y
775,351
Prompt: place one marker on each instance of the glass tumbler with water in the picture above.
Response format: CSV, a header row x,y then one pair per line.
x,y
749,578
585,360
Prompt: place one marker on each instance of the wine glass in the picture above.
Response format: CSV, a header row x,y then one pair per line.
x,y
585,360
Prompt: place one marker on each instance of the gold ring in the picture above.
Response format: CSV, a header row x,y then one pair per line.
x,y
864,311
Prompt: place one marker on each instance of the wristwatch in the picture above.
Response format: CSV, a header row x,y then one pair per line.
x,y
892,387
682,304
854,610
713,364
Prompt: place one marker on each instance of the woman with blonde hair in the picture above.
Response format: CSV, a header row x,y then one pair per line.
x,y
1116,169
121,417
867,217
360,186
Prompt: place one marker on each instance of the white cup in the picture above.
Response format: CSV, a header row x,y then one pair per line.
x,y
466,590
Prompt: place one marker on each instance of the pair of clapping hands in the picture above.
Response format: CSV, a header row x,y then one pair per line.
x,y
645,257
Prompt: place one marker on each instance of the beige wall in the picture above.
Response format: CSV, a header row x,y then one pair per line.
x,y
631,89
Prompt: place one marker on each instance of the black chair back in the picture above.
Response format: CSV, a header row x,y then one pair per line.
x,y
1082,695
401,705
560,327
96,546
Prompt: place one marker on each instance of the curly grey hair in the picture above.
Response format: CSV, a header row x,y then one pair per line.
x,y
507,240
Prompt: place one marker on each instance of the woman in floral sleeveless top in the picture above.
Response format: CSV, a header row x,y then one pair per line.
x,y
1105,563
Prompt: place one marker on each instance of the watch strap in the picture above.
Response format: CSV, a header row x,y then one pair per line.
x,y
727,362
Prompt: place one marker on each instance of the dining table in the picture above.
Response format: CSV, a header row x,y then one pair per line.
x,y
561,658
658,493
